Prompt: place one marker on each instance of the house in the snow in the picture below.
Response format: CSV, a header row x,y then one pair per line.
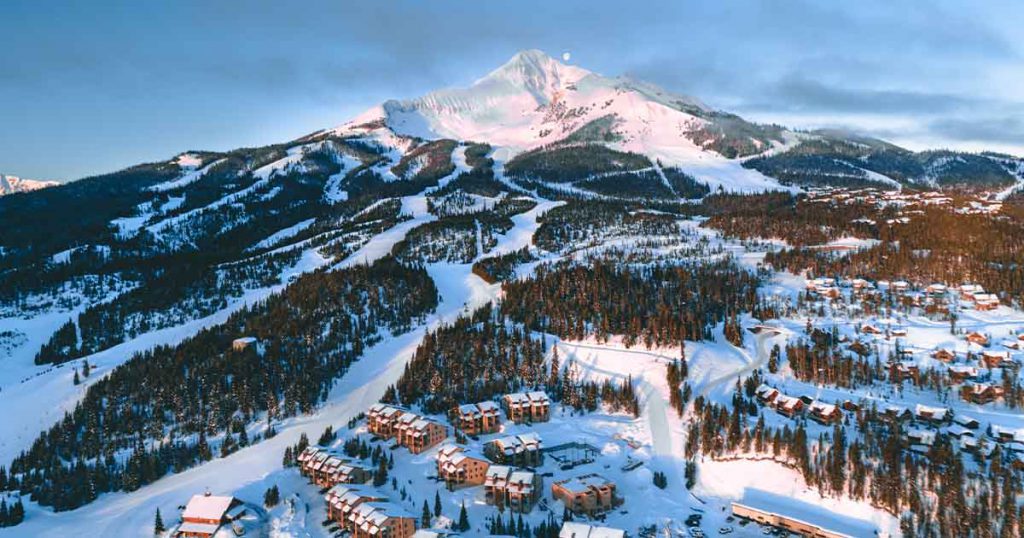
x,y
936,289
967,291
458,466
478,418
573,529
961,373
824,413
932,415
996,358
766,394
517,490
204,514
896,413
788,405
920,437
986,301
975,337
870,329
981,393
904,372
966,421
527,407
523,450
944,355
589,494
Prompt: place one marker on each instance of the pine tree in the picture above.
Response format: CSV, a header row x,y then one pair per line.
x,y
158,523
463,524
437,504
425,517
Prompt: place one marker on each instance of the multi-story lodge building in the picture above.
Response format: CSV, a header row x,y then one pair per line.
x,y
458,466
409,429
478,418
530,407
588,494
365,513
523,450
327,468
516,490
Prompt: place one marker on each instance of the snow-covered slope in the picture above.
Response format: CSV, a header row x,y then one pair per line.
x,y
13,184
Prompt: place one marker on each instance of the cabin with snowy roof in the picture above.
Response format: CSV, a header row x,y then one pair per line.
x,y
824,413
932,415
788,405
981,393
204,514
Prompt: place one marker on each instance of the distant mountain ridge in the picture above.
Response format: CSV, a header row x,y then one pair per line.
x,y
13,184
548,128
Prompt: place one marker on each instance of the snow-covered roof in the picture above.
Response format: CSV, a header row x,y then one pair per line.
x,y
572,529
811,514
207,507
583,483
936,413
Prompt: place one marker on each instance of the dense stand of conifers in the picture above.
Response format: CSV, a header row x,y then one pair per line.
x,y
173,407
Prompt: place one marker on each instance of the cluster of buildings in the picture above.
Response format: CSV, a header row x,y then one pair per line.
x,y
793,407
504,468
908,203
937,295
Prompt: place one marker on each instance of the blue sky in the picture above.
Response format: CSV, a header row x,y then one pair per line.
x,y
91,87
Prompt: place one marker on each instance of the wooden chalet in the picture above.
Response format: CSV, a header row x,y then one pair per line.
x,y
977,338
788,405
824,413
981,393
932,415
944,355
204,515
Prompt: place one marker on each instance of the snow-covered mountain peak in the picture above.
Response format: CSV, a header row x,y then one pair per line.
x,y
13,184
535,72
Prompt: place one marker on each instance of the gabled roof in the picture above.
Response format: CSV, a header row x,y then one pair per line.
x,y
207,507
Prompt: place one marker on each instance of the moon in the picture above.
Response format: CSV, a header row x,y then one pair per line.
x,y
566,56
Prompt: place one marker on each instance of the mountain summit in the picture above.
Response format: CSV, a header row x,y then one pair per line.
x,y
13,184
